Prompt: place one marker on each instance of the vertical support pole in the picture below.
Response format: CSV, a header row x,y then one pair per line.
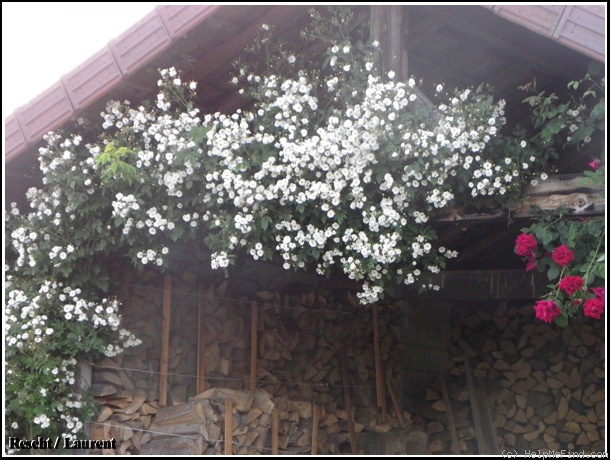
x,y
253,345
201,341
455,443
394,45
404,61
401,418
314,430
228,426
387,29
165,328
275,439
377,24
378,371
348,402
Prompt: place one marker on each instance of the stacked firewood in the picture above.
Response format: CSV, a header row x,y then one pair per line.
x,y
545,384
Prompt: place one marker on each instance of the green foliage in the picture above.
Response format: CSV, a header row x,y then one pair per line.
x,y
112,165
560,124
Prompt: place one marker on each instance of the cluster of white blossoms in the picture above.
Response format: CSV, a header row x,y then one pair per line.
x,y
123,204
127,340
43,420
282,159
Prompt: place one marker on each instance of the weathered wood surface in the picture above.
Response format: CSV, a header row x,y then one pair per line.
x,y
167,304
201,342
565,191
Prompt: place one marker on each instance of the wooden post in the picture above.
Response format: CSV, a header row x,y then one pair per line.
x,y
378,372
401,418
387,30
228,426
314,430
455,444
275,440
165,328
348,402
394,46
201,342
253,345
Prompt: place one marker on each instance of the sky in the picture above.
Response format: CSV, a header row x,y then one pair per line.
x,y
43,41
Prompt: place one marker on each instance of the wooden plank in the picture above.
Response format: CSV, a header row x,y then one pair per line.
x,y
401,418
165,328
378,372
275,439
483,424
486,418
395,42
201,342
314,429
563,190
348,402
253,345
455,443
228,426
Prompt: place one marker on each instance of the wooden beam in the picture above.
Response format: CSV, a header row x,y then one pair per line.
x,y
397,409
395,40
348,402
455,443
228,426
378,369
565,190
275,439
483,423
201,341
253,344
165,329
314,429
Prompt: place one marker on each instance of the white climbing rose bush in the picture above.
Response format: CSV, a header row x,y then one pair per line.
x,y
334,167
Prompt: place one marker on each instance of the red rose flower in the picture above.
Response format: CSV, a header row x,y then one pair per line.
x,y
525,245
531,263
600,293
546,310
595,164
594,308
562,255
571,284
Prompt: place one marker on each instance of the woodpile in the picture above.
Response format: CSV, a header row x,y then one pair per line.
x,y
298,337
317,349
545,384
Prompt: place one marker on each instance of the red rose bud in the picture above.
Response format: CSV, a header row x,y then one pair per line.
x,y
595,164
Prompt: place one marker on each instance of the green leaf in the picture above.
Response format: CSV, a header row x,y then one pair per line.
x,y
561,320
265,221
553,273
